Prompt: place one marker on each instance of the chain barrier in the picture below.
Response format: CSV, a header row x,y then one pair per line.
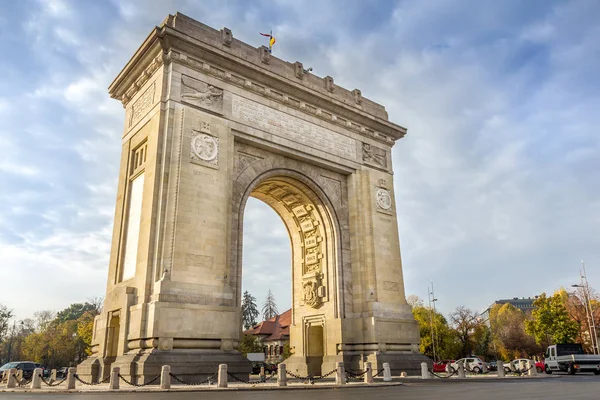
x,y
379,372
454,372
150,382
50,383
310,378
105,380
208,380
23,381
250,382
357,374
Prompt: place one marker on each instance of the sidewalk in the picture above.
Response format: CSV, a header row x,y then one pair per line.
x,y
272,385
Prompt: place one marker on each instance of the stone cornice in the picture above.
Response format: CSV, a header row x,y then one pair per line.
x,y
167,44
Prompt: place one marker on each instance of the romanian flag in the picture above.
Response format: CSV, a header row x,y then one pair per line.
x,y
271,39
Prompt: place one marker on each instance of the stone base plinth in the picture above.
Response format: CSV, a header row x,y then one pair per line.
x,y
189,365
400,362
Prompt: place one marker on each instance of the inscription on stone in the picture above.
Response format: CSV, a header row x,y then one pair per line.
x,y
196,260
293,128
391,286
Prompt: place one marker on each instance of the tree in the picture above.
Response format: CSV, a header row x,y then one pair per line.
x,y
269,308
250,344
287,351
43,319
551,322
465,322
5,316
249,310
509,338
76,310
578,311
445,339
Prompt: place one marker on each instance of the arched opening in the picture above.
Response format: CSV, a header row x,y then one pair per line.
x,y
267,256
313,236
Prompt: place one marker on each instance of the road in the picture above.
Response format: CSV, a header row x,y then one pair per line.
x,y
567,387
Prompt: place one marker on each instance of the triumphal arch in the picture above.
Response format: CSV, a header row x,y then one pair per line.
x,y
210,121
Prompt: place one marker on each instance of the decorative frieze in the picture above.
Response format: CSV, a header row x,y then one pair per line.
x,y
273,94
144,77
142,105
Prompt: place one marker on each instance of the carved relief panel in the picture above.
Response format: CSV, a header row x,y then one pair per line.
x,y
374,155
201,94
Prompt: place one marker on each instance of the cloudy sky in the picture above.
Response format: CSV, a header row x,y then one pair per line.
x,y
497,182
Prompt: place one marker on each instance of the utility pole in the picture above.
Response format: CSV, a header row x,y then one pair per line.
x,y
432,300
594,335
589,312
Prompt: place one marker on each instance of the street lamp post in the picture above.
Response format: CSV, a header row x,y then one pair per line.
x,y
588,308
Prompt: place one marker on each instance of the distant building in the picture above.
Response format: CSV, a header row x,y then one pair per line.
x,y
273,334
523,304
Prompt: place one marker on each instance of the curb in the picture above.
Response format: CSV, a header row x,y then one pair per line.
x,y
211,389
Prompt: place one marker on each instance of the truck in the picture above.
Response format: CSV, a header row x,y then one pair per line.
x,y
570,358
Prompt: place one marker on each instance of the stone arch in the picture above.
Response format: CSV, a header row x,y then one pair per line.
x,y
316,246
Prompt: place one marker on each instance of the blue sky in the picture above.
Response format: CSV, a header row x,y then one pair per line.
x,y
497,182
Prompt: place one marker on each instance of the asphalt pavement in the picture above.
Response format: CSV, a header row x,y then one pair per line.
x,y
577,387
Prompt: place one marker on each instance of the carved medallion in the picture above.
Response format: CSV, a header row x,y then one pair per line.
x,y
384,200
204,148
309,294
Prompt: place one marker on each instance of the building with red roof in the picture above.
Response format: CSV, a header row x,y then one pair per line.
x,y
273,334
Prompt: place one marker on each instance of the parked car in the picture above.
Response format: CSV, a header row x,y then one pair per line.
x,y
61,372
492,366
269,368
440,366
26,366
570,358
472,364
516,365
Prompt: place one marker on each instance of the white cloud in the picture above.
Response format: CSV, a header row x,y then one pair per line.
x,y
496,182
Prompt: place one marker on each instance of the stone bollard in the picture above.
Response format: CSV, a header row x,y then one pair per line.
x,y
387,374
36,379
71,378
281,375
340,374
403,375
53,375
424,371
500,366
12,378
532,371
262,371
485,368
368,373
523,365
461,369
19,375
222,378
114,378
165,377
